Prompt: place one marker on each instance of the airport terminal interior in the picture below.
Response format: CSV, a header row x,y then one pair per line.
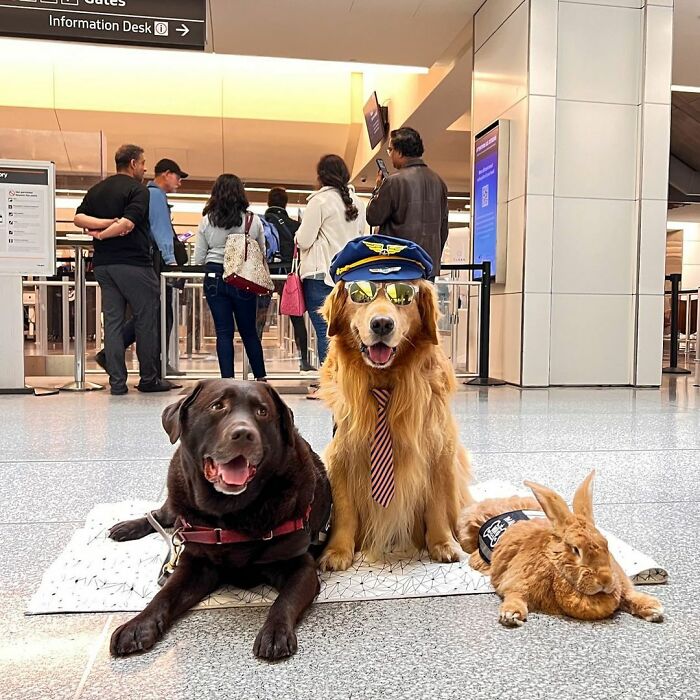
x,y
564,138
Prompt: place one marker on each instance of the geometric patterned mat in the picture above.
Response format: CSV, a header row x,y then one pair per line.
x,y
96,574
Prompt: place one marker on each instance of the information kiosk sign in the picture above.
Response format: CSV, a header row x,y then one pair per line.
x,y
27,218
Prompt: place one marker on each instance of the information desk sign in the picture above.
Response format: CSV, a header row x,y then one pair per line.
x,y
175,24
27,218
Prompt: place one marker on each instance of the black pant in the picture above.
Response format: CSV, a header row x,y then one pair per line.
x,y
138,287
130,325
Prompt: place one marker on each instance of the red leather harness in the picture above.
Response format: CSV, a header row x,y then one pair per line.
x,y
198,534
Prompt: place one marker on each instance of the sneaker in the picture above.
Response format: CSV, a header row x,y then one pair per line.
x,y
306,367
102,360
313,392
119,390
157,386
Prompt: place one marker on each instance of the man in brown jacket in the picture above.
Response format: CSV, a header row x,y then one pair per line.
x,y
411,203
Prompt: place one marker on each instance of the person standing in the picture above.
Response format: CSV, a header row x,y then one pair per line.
x,y
167,180
287,227
412,202
115,213
226,214
334,215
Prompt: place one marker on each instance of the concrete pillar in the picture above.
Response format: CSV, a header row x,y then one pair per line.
x,y
587,89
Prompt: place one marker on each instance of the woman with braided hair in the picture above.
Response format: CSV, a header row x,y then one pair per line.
x,y
334,215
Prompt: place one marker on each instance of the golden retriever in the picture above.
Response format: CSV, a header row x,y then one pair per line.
x,y
431,467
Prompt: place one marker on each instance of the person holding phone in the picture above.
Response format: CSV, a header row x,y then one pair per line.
x,y
411,203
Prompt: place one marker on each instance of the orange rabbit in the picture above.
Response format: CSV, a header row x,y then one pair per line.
x,y
558,565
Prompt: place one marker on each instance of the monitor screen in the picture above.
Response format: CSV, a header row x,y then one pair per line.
x,y
484,200
374,120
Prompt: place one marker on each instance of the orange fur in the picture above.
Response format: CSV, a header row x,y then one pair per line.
x,y
431,468
534,566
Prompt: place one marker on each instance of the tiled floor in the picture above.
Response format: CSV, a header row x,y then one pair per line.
x,y
59,455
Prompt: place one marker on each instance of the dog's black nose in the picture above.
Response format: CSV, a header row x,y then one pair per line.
x,y
242,434
381,325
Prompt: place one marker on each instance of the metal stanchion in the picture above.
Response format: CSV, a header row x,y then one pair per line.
x,y
79,383
675,280
163,329
485,330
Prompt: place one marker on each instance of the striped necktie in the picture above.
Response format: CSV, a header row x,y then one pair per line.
x,y
382,453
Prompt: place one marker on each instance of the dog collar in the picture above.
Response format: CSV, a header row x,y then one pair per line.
x,y
492,530
198,534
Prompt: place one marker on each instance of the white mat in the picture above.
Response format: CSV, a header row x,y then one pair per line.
x,y
95,574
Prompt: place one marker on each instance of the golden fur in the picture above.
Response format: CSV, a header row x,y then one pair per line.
x,y
535,565
431,468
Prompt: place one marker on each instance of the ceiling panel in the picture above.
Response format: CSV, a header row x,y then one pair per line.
x,y
403,32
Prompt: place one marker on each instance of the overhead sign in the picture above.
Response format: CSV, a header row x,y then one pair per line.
x,y
27,218
489,199
178,24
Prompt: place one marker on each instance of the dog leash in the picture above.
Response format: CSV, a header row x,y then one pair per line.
x,y
184,532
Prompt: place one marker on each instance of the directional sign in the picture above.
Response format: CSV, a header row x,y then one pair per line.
x,y
178,24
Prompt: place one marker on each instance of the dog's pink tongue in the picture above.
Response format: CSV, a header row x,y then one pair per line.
x,y
236,472
379,353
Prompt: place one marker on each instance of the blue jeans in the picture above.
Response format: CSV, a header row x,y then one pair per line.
x,y
227,302
315,293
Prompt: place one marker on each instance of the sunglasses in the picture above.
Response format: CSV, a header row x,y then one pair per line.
x,y
398,293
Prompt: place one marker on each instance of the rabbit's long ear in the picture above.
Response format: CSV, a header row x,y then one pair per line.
x,y
583,500
552,504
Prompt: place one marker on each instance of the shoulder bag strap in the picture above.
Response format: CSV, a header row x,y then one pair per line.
x,y
246,233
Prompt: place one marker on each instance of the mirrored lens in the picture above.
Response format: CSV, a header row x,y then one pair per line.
x,y
362,292
400,293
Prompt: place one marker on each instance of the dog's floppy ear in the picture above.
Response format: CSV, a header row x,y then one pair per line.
x,y
286,416
428,308
333,307
174,414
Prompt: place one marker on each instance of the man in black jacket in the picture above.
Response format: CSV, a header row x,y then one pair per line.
x,y
286,227
412,202
115,213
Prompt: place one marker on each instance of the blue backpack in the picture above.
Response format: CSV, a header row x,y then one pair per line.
x,y
272,242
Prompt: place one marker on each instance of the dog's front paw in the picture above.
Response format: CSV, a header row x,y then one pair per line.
x,y
275,641
336,559
445,551
136,635
130,530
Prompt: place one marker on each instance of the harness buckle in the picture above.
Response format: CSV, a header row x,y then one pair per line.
x,y
268,537
218,535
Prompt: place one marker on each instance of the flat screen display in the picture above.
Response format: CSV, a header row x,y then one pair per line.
x,y
484,200
374,121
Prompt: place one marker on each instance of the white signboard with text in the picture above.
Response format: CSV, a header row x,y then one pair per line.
x,y
27,218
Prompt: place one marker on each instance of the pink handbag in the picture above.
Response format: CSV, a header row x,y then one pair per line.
x,y
292,302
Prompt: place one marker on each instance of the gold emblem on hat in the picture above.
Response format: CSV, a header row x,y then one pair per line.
x,y
384,248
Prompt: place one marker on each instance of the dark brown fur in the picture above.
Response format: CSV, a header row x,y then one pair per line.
x,y
289,477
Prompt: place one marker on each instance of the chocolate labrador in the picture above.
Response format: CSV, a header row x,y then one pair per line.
x,y
250,500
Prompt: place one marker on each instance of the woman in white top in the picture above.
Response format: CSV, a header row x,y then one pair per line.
x,y
334,215
226,214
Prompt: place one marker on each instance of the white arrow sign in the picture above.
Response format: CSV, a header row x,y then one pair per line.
x,y
183,29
